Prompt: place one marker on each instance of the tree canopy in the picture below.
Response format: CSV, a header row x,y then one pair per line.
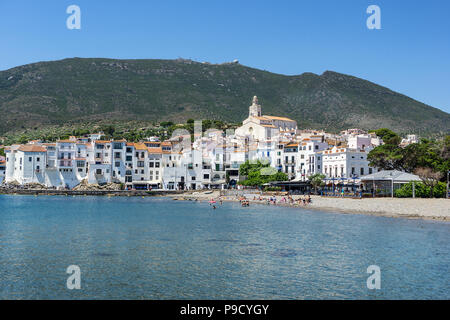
x,y
258,173
317,180
432,154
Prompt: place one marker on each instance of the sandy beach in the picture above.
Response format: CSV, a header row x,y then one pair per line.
x,y
434,209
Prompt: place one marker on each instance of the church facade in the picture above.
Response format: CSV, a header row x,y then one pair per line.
x,y
262,127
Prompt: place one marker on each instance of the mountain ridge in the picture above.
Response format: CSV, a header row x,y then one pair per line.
x,y
77,89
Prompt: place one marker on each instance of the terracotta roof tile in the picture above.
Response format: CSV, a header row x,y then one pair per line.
x,y
154,150
279,118
32,148
65,141
140,146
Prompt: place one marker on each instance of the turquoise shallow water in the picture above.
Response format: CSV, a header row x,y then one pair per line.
x,y
135,248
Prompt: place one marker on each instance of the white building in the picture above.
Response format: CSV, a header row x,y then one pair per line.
x,y
66,171
154,151
347,163
26,164
211,161
140,165
262,127
2,170
410,139
361,142
310,158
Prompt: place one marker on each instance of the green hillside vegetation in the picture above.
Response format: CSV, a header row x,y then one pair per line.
x,y
132,131
74,92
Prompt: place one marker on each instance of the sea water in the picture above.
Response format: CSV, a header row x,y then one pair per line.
x,y
157,248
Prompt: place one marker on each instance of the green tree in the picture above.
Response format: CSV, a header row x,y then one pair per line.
x,y
249,166
386,157
23,139
388,136
317,180
166,124
109,130
424,154
259,173
389,155
420,190
429,177
445,148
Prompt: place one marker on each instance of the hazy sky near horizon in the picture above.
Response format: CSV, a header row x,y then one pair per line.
x,y
410,54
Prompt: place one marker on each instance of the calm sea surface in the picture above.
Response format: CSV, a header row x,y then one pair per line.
x,y
135,248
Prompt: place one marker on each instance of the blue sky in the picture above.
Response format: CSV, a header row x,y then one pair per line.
x,y
410,54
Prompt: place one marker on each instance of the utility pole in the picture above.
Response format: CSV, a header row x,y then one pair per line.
x,y
448,172
392,188
373,188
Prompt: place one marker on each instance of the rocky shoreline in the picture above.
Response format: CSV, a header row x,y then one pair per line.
x,y
120,193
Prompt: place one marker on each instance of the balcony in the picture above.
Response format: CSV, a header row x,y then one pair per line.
x,y
217,178
100,162
65,163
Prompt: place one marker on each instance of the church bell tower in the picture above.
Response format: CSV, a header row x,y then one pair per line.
x,y
255,108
